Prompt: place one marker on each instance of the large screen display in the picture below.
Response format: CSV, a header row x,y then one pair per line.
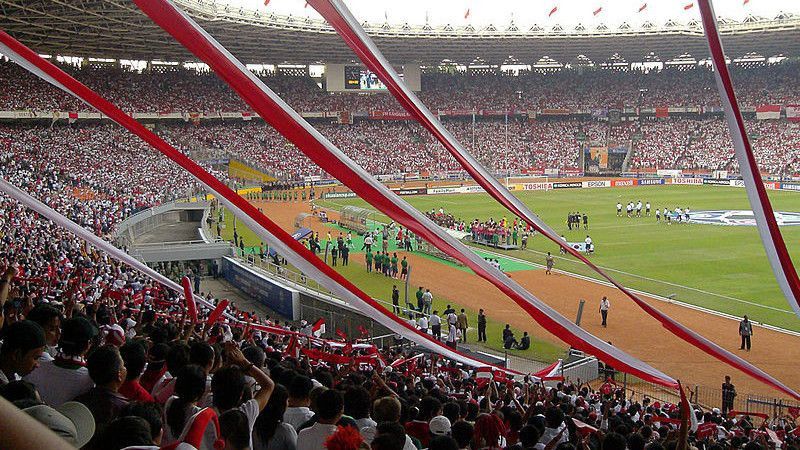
x,y
359,78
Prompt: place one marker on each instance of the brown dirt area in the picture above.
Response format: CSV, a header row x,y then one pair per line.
x,y
629,327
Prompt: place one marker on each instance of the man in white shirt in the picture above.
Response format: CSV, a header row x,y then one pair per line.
x,y
331,406
427,299
423,324
436,325
589,247
66,377
298,412
604,307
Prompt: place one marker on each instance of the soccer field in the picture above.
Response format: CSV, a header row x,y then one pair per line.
x,y
723,268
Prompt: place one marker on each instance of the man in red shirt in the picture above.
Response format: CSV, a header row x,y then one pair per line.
x,y
419,428
135,358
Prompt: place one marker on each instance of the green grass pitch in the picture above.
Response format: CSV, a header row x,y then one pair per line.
x,y
723,268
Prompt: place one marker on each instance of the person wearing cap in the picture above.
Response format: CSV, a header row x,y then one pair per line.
x,y
23,344
66,376
71,421
439,426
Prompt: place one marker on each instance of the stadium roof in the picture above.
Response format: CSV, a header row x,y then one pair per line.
x,y
117,29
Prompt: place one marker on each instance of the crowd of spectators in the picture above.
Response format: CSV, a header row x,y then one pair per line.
x,y
175,89
108,359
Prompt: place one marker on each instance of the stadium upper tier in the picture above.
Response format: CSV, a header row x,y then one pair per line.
x,y
171,89
115,29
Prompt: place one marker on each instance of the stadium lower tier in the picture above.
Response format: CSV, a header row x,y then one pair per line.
x,y
514,147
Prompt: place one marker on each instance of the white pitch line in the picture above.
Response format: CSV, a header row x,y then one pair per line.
x,y
658,297
681,286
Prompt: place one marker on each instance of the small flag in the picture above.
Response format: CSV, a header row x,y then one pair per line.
x,y
551,372
597,11
318,329
745,2
688,6
643,7
364,332
553,11
266,2
466,14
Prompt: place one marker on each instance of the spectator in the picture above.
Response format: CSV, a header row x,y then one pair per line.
x,y
331,408
23,344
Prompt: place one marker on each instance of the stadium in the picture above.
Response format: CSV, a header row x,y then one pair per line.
x,y
348,225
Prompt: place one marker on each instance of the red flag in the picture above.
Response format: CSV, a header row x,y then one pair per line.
x,y
215,315
266,2
643,7
597,11
292,348
686,413
466,14
318,329
706,430
364,332
191,306
688,6
553,11
341,334
745,2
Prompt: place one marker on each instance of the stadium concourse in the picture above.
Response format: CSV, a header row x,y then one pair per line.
x,y
107,358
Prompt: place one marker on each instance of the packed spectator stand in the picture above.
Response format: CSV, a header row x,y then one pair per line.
x,y
80,328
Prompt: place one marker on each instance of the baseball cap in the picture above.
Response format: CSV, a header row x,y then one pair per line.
x,y
439,425
72,421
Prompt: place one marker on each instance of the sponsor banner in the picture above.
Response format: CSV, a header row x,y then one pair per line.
x,y
410,191
472,189
568,185
772,185
493,112
555,112
533,171
443,190
622,183
596,184
389,115
650,181
687,181
572,172
790,187
716,182
456,112
536,186
669,173
328,195
793,113
312,114
737,183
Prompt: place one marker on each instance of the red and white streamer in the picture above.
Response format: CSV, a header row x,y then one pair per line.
x,y
289,248
346,25
771,237
551,372
289,123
